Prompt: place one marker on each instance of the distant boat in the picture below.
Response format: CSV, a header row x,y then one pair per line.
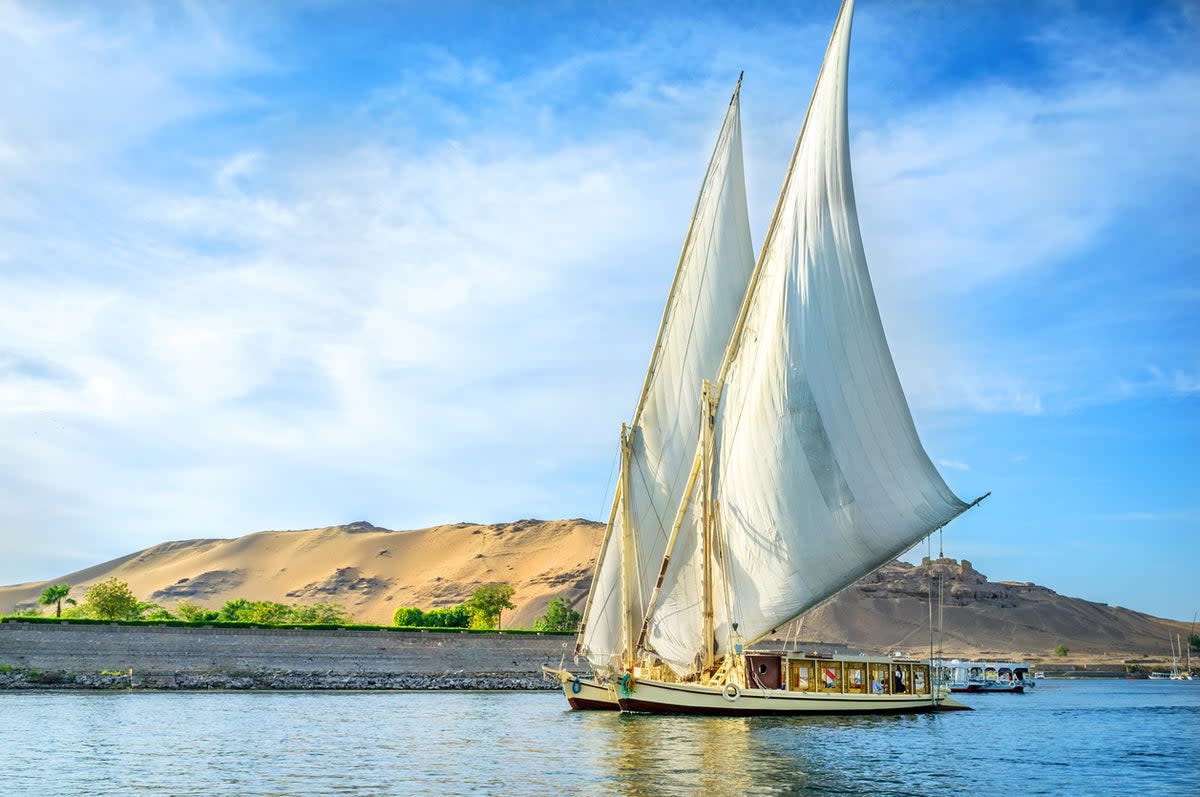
x,y
986,676
772,459
1177,674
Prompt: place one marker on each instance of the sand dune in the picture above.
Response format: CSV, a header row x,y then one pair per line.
x,y
373,571
369,570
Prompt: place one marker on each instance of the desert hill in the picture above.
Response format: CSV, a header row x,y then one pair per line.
x,y
372,571
889,609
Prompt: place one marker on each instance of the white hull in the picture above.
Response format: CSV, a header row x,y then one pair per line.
x,y
658,697
584,693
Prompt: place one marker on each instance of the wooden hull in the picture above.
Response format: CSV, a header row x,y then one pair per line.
x,y
657,697
582,693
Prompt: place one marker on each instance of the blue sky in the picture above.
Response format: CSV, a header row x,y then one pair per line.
x,y
297,264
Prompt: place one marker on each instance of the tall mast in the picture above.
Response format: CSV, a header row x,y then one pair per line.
x,y
707,421
629,582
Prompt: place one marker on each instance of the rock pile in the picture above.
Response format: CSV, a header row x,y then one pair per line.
x,y
270,679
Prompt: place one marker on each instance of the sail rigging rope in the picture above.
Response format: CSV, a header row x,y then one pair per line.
x,y
941,584
612,467
929,597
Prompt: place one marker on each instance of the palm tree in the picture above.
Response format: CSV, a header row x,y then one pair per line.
x,y
56,595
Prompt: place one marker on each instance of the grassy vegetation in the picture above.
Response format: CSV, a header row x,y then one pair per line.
x,y
111,602
284,627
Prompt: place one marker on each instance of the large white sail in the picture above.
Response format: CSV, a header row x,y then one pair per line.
x,y
820,474
710,283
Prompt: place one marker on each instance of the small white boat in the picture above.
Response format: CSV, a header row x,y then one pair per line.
x,y
986,676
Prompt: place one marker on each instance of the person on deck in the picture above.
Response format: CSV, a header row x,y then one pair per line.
x,y
899,683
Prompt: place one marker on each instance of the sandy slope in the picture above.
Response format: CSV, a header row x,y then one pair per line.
x,y
369,570
372,571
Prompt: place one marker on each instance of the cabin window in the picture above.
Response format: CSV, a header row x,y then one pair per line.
x,y
880,680
830,676
919,681
801,680
855,679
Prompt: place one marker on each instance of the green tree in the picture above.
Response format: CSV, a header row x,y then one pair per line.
x,y
559,616
448,617
320,614
232,610
267,613
408,616
111,599
194,613
152,611
1194,641
487,602
56,595
1061,650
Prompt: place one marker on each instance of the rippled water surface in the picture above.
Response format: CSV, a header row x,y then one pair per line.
x,y
1067,738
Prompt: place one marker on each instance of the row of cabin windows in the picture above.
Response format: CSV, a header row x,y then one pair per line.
x,y
855,678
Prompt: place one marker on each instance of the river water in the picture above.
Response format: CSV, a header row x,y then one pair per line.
x,y
1065,738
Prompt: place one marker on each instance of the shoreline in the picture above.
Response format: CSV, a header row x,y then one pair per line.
x,y
269,680
43,656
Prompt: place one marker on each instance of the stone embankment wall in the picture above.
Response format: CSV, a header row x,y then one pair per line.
x,y
89,656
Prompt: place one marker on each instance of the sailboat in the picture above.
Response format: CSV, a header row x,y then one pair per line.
x,y
758,482
1176,650
658,445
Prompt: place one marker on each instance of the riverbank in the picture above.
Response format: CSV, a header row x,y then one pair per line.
x,y
267,679
71,656
90,656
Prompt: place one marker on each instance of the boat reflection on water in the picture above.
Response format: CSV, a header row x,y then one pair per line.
x,y
645,754
652,755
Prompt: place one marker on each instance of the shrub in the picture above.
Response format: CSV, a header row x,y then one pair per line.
x,y
559,616
194,613
408,615
451,617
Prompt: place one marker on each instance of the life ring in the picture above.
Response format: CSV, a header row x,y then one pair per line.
x,y
731,692
628,684
576,687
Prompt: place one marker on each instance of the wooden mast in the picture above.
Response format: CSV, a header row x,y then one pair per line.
x,y
629,583
707,420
